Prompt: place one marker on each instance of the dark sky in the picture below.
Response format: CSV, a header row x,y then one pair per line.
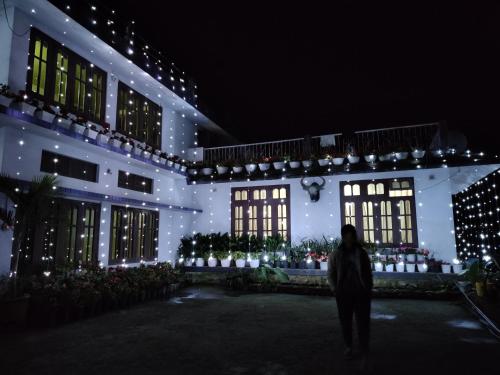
x,y
278,71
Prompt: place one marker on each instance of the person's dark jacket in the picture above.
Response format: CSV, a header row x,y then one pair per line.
x,y
362,264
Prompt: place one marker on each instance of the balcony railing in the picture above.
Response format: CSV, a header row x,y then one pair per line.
x,y
423,136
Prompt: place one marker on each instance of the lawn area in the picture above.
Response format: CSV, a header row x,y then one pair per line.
x,y
210,331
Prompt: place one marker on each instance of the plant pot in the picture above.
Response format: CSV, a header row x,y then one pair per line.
x,y
192,171
251,167
237,169
254,263
379,267
372,158
115,142
402,155
480,287
457,268
155,158
307,163
437,153
389,267
353,159
323,162
127,147
62,122
137,151
183,168
90,133
6,101
101,138
279,165
222,169
45,116
241,263
294,164
207,171
411,258
23,107
387,157
264,166
78,128
338,161
177,166
446,268
323,266
212,262
188,262
146,154
311,265
422,267
163,161
420,258
200,262
410,267
225,263
418,154
400,267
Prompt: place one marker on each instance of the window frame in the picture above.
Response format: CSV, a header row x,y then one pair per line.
x,y
127,180
241,226
67,163
377,200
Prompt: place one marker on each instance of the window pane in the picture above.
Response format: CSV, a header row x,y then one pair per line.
x,y
371,189
347,190
380,188
356,190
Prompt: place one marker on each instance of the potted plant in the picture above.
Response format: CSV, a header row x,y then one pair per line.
x,y
445,267
212,261
200,262
6,96
46,113
308,163
411,254
401,152
240,259
389,265
126,145
222,168
79,125
237,167
352,157
400,267
338,158
24,104
207,169
90,131
379,266
254,260
224,257
410,267
422,255
418,153
114,140
264,164
163,158
294,162
422,267
279,163
438,153
102,137
251,166
192,169
325,159
457,266
371,156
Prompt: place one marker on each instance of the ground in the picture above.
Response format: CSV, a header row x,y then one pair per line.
x,y
209,331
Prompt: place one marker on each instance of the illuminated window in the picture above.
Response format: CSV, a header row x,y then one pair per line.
x,y
368,222
61,78
401,189
350,213
80,83
405,222
386,222
39,66
371,189
347,190
380,188
356,190
254,214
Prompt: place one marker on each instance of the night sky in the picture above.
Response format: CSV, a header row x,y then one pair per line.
x,y
272,71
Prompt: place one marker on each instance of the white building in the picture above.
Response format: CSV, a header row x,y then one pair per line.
x,y
117,205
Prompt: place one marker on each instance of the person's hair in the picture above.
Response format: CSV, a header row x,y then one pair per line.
x,y
348,228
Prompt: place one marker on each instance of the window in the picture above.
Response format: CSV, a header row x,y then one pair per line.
x,y
60,77
383,211
138,117
261,211
68,167
135,182
134,235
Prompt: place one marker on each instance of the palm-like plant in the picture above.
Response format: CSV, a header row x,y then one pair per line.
x,y
31,202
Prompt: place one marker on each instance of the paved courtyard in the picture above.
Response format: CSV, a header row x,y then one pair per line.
x,y
208,331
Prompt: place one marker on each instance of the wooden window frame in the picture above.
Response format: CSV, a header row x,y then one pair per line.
x,y
68,166
377,199
250,201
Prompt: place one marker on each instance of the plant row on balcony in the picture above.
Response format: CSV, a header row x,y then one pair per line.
x,y
82,126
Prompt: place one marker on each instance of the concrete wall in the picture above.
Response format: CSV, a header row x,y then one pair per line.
x,y
433,190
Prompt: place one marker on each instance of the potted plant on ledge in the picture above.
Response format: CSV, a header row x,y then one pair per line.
x,y
240,259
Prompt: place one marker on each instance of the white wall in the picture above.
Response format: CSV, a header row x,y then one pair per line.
x,y
433,190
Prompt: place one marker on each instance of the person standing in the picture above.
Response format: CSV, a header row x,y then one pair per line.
x,y
350,278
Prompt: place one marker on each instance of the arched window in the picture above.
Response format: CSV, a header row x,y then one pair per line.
x,y
405,222
276,194
356,190
371,189
350,213
256,194
380,188
368,222
237,195
263,194
244,195
386,222
282,193
347,190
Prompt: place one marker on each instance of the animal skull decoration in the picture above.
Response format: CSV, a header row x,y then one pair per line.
x,y
313,188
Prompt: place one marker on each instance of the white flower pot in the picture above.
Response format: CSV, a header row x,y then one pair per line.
x,y
411,258
157,152
163,161
437,153
353,159
389,267
401,155
422,267
155,158
188,262
370,158
90,133
45,116
221,169
137,151
457,268
237,169
254,263
127,147
420,258
115,142
323,162
446,268
146,154
225,263
251,167
212,262
379,267
102,138
240,263
279,165
200,262
192,171
78,128
264,166
410,267
207,171
170,163
387,157
418,154
323,266
400,267
183,168
5,101
177,166
307,163
63,122
338,161
294,164
23,107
